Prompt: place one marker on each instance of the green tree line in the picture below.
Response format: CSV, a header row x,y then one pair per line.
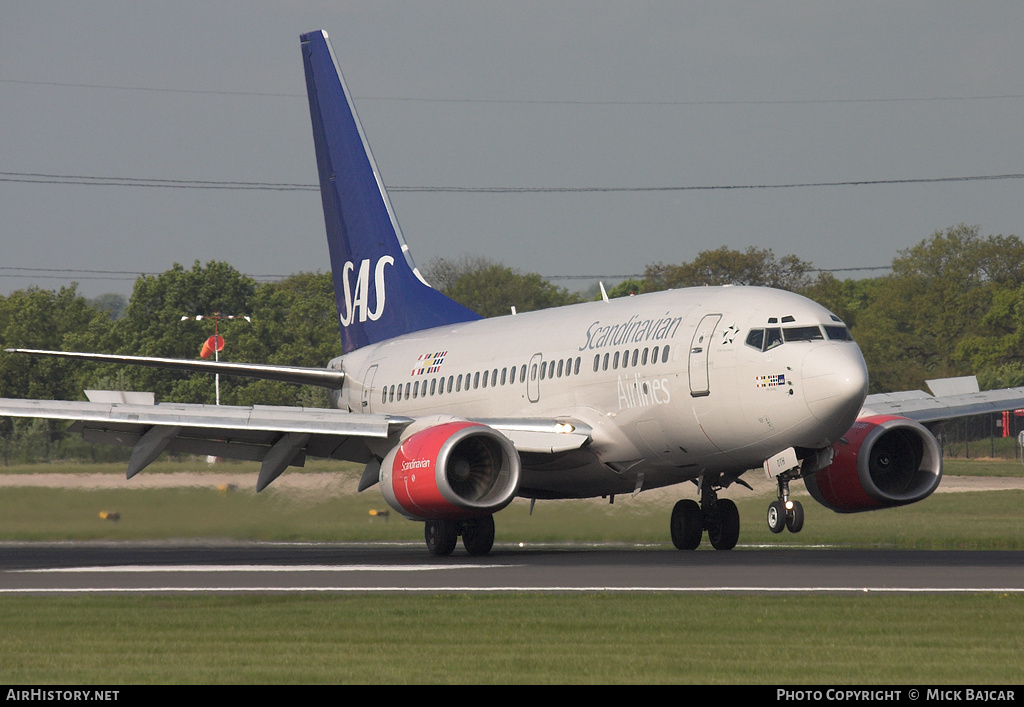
x,y
953,304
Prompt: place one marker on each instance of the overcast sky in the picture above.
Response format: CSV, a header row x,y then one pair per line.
x,y
507,94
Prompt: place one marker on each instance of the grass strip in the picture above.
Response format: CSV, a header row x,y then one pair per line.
x,y
514,639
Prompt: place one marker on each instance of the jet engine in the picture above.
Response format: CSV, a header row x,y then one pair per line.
x,y
452,470
883,461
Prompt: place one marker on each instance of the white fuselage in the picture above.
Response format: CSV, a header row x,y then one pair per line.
x,y
673,384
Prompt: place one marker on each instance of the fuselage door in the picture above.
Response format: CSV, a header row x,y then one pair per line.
x,y
368,387
699,349
533,378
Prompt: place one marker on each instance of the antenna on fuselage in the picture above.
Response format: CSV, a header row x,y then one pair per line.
x,y
604,294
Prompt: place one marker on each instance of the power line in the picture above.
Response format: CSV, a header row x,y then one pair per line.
x,y
88,180
529,101
122,275
84,180
708,188
79,274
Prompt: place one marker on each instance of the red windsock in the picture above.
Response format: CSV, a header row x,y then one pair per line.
x,y
214,343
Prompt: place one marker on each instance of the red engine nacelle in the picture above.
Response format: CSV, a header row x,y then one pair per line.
x,y
883,461
452,470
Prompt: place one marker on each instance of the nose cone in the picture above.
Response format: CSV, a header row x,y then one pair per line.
x,y
834,381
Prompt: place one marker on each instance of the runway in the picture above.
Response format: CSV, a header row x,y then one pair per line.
x,y
204,567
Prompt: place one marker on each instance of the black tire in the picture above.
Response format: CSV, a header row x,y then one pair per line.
x,y
441,537
687,525
777,517
478,535
795,518
724,525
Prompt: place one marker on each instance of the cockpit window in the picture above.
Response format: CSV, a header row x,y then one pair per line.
x,y
764,339
803,333
838,333
755,339
767,339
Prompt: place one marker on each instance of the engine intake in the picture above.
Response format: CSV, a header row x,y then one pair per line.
x,y
882,462
452,470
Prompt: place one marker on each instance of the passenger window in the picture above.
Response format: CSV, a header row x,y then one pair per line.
x,y
615,361
485,378
476,380
654,355
664,354
597,362
433,386
576,368
643,358
560,364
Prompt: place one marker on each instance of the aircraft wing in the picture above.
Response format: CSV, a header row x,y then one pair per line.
x,y
323,377
277,437
924,408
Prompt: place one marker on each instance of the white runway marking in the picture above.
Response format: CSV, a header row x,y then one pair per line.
x,y
427,590
256,568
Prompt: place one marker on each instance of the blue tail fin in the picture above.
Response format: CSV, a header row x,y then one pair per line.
x,y
379,292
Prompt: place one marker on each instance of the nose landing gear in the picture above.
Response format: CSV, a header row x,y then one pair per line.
x,y
785,513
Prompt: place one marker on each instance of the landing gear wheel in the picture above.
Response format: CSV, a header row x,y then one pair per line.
x,y
478,535
777,517
441,537
724,525
795,518
686,525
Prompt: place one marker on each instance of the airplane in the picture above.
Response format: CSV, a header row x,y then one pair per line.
x,y
454,416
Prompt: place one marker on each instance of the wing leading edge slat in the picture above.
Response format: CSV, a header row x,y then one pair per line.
x,y
918,405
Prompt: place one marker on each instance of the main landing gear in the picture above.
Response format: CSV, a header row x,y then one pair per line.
x,y
718,516
785,513
443,535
